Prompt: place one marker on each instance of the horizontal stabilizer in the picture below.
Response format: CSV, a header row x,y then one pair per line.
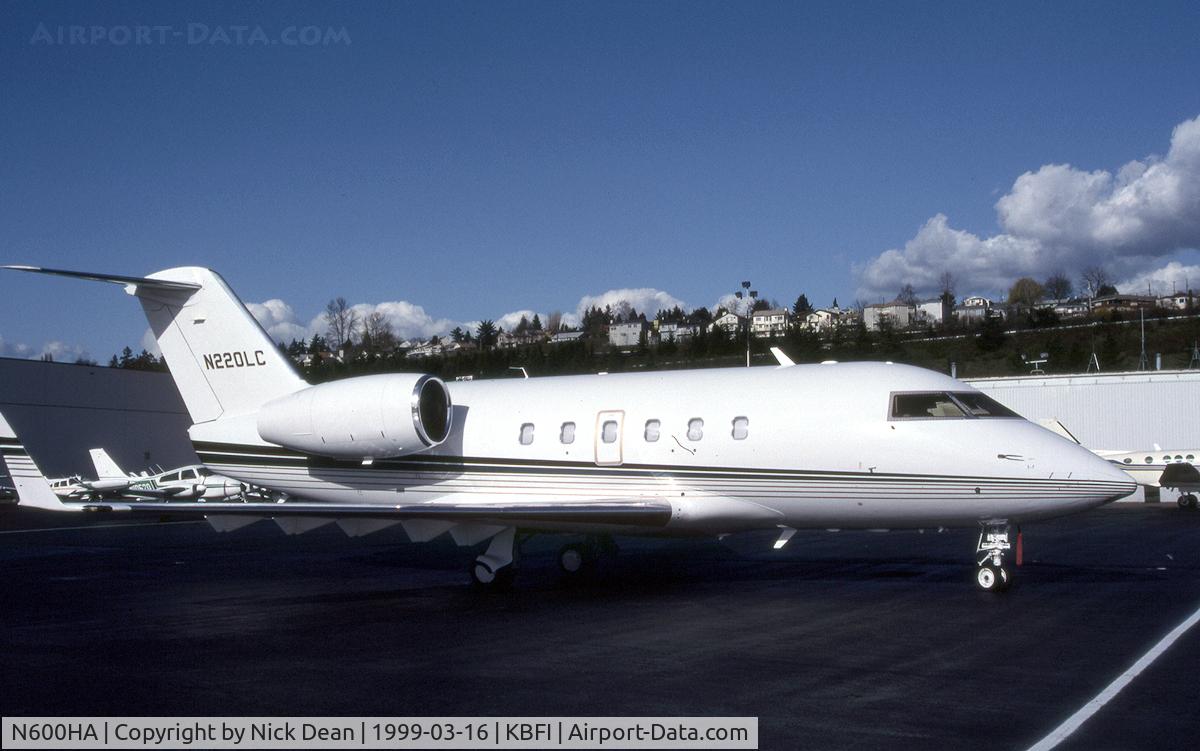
x,y
33,490
137,281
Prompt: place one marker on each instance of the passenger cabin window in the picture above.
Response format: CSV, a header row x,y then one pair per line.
x,y
173,477
927,405
567,434
189,474
608,431
653,430
741,428
695,429
527,434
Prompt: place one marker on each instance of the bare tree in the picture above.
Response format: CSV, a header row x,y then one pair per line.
x,y
554,322
907,295
377,330
946,286
1058,286
1096,281
341,322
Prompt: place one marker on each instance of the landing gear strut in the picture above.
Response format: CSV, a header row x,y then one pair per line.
x,y
494,569
1187,501
993,573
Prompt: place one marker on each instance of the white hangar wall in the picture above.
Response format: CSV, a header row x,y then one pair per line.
x,y
61,410
1114,411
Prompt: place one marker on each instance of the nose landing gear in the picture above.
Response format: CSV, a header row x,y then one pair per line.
x,y
993,573
1187,501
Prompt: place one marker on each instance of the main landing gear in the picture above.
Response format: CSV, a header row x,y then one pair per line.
x,y
494,569
993,573
576,559
1188,501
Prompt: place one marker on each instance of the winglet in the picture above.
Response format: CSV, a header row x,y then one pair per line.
x,y
32,489
784,360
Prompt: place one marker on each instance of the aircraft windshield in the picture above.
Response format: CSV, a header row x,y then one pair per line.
x,y
925,405
981,405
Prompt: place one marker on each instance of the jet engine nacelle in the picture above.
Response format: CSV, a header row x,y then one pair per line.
x,y
369,417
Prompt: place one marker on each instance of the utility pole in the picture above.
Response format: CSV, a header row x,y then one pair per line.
x,y
749,295
1143,361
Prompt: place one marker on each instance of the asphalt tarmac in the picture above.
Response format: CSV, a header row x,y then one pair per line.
x,y
841,640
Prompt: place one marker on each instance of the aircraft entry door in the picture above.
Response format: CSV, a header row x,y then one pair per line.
x,y
609,433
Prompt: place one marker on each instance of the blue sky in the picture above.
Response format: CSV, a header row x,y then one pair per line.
x,y
476,159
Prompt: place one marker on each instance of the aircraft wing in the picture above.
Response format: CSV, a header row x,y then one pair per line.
x,y
640,512
1179,474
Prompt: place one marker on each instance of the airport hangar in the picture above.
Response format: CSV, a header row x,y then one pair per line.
x,y
61,410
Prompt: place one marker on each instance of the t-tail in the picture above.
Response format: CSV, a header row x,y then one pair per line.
x,y
223,362
32,488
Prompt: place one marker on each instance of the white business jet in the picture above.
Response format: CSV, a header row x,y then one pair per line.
x,y
1175,470
697,452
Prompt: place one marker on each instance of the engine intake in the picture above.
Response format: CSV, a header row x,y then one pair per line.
x,y
369,417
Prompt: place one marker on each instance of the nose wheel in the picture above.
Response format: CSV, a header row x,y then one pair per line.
x,y
994,573
1187,501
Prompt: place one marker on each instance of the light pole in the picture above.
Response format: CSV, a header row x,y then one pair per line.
x,y
749,295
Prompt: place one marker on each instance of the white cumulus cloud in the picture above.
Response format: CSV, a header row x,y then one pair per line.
x,y
279,320
1059,218
642,299
1174,277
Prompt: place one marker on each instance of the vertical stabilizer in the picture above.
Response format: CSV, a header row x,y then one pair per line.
x,y
32,488
223,363
106,468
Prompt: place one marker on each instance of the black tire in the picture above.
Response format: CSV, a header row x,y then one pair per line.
x,y
991,578
484,578
574,559
1191,501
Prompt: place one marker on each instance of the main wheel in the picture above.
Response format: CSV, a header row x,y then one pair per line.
x,y
483,577
572,559
1191,501
992,578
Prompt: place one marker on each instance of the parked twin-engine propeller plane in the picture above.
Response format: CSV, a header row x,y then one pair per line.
x,y
698,452
193,482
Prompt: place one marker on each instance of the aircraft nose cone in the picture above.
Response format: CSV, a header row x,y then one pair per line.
x,y
1109,477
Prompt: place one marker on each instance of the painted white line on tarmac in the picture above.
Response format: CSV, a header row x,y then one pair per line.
x,y
97,526
1060,733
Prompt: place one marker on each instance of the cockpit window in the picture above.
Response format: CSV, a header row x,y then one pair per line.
x,y
924,405
981,405
908,406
